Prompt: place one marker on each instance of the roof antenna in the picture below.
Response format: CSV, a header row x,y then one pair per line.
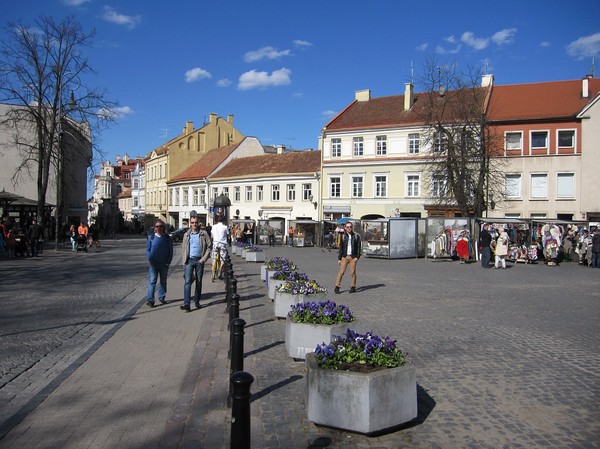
x,y
412,73
165,133
486,67
593,65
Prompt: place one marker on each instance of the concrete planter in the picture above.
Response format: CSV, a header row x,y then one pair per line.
x,y
263,273
303,338
237,250
268,274
360,402
272,283
284,301
243,253
255,256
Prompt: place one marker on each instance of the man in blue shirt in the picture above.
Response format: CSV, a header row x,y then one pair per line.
x,y
195,247
159,249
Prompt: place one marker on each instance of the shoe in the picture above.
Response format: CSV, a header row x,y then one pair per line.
x,y
186,308
352,290
336,290
164,301
197,304
150,304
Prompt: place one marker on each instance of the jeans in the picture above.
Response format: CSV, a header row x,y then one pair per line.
x,y
193,270
596,260
154,271
485,256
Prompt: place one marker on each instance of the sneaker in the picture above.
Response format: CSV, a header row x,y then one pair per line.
x,y
150,304
186,308
197,304
352,290
336,290
163,301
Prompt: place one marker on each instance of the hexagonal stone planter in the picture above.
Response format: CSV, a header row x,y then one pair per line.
x,y
303,338
263,273
283,301
272,283
360,402
255,256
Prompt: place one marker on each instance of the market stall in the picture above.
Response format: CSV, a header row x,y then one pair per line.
x,y
247,228
391,238
442,235
262,231
306,232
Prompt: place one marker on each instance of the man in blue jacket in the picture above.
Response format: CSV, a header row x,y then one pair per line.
x,y
159,250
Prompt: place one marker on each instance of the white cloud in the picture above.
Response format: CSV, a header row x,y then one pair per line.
x,y
477,43
451,39
506,36
75,2
224,82
262,80
443,51
422,47
196,74
115,113
297,95
111,15
328,115
300,43
265,53
585,47
545,44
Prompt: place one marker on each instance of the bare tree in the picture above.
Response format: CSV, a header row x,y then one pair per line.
x,y
461,165
43,75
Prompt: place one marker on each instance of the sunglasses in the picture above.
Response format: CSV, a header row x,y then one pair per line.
x,y
159,226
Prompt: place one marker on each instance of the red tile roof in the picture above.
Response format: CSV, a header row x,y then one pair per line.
x,y
206,164
292,162
554,99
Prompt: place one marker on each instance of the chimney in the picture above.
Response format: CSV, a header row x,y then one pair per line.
x,y
585,87
487,80
362,95
188,128
408,96
280,149
126,159
213,117
230,119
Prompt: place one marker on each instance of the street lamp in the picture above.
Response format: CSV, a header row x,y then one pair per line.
x,y
314,203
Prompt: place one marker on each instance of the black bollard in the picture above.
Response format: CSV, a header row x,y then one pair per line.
x,y
234,307
236,346
232,291
240,410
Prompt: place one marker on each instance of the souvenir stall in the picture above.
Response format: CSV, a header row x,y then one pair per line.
x,y
391,238
557,239
244,225
262,231
443,234
520,248
331,230
306,232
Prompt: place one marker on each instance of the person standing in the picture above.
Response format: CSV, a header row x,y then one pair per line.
x,y
159,249
220,232
348,254
596,249
33,235
501,248
485,239
195,249
291,236
271,235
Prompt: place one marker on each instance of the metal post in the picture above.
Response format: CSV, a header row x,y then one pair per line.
x,y
232,291
240,410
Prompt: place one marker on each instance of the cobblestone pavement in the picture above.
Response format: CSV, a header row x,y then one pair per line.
x,y
504,359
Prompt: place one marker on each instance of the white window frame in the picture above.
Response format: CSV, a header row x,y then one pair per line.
x,y
414,143
438,186
336,147
358,147
517,181
335,186
413,185
226,191
291,192
539,131
202,197
381,145
380,186
186,197
560,184
248,193
260,193
275,192
536,185
357,185
306,191
196,197
506,141
215,192
236,194
574,138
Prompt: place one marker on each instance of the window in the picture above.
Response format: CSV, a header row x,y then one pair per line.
x,y
136,184
357,146
513,141
438,186
275,192
226,191
186,197
440,143
539,186
336,147
412,185
203,196
357,186
248,193
381,142
380,186
176,197
291,192
512,186
414,143
538,215
259,193
195,197
539,139
335,187
565,185
236,194
566,139
135,201
126,175
215,192
306,191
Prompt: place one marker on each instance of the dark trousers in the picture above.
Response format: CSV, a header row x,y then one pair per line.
x,y
486,254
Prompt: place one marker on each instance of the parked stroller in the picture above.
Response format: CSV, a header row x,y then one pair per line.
x,y
82,243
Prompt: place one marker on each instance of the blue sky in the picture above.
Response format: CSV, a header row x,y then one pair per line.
x,y
284,68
